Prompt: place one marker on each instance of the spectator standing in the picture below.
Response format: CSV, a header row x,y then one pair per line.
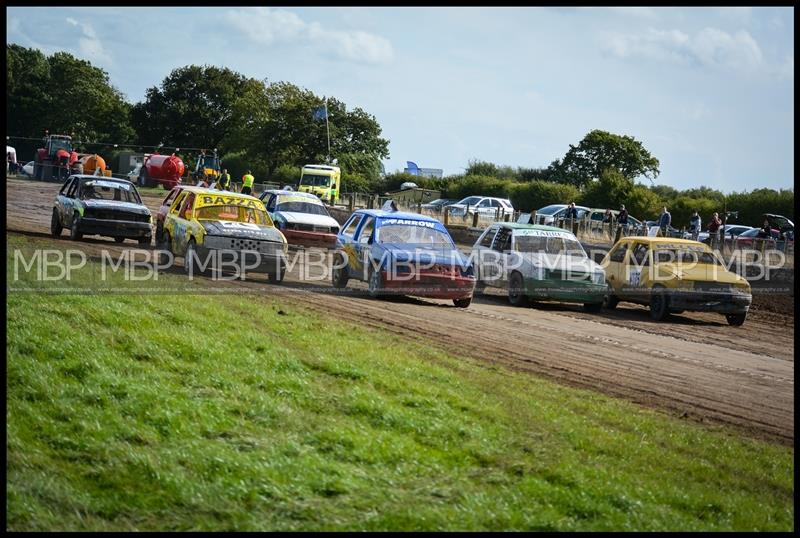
x,y
695,225
572,212
713,229
664,221
224,182
607,216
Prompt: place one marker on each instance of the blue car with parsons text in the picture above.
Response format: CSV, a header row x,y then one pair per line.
x,y
402,253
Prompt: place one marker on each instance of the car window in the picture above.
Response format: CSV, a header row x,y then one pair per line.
x,y
366,230
618,254
186,208
170,197
73,188
67,184
178,202
486,241
271,202
350,228
485,203
639,255
502,241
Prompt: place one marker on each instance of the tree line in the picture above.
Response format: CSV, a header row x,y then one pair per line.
x,y
271,129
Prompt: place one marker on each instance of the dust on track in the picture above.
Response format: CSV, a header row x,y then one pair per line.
x,y
694,365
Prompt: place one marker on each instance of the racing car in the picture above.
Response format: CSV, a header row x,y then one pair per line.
x,y
402,253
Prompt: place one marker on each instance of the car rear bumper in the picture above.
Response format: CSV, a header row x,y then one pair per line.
x,y
429,284
724,303
310,239
114,228
565,291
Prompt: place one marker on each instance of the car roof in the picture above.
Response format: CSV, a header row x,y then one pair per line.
x,y
380,213
542,227
293,193
84,177
658,240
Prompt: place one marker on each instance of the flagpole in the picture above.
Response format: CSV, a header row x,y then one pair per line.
x,y
328,129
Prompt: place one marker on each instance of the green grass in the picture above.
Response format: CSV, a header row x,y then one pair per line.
x,y
243,412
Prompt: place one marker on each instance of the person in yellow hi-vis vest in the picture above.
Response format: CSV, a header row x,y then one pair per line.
x,y
247,183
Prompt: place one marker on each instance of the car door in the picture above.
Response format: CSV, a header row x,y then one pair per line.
x,y
62,201
346,240
501,249
483,255
363,244
70,201
636,266
484,206
616,260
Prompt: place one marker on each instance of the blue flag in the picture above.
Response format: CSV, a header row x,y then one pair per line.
x,y
413,169
320,113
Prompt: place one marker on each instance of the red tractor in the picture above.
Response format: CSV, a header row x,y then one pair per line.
x,y
55,159
158,169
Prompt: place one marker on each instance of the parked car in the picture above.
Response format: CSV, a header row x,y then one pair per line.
x,y
756,239
26,170
598,214
207,227
91,205
484,205
301,217
538,262
438,204
671,231
731,232
402,253
554,213
133,175
673,275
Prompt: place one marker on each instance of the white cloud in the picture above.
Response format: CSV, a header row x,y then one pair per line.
x,y
273,26
709,47
89,45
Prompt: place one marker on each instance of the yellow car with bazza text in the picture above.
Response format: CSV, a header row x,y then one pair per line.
x,y
673,275
225,230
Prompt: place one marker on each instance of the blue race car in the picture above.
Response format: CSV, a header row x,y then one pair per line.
x,y
402,253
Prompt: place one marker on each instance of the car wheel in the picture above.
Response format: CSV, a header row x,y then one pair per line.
x,y
74,231
462,303
736,319
340,276
119,239
55,224
593,307
659,303
145,241
611,301
189,258
277,276
375,282
516,290
164,245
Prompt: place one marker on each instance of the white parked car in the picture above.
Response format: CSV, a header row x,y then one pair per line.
x,y
485,205
731,231
27,170
552,214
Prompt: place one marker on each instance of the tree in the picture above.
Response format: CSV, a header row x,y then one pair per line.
x,y
601,150
611,190
193,107
64,95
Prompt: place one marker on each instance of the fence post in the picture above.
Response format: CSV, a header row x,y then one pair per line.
x,y
351,203
533,217
475,219
506,217
446,216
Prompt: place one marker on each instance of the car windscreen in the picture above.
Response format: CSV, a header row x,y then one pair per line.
x,y
548,245
233,213
470,200
418,235
296,206
315,180
685,256
109,190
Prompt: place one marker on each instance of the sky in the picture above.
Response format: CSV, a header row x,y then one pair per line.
x,y
708,91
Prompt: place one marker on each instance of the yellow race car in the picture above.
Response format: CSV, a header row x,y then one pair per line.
x,y
673,275
224,230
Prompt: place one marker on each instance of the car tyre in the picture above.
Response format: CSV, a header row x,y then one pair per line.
x,y
462,303
340,276
659,303
276,277
736,319
189,258
74,231
145,241
611,301
55,225
516,290
593,307
375,283
164,245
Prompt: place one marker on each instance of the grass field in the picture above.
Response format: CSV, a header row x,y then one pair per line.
x,y
242,412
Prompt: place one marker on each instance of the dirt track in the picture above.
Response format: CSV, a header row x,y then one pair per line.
x,y
694,365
